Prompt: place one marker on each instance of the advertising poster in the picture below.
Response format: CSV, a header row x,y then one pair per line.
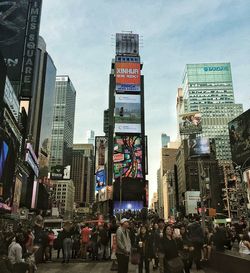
x,y
191,199
127,205
127,157
101,147
17,195
128,77
199,146
127,43
127,113
13,21
190,123
60,172
239,134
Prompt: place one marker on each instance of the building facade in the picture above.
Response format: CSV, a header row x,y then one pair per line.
x,y
65,194
165,139
63,122
83,174
208,89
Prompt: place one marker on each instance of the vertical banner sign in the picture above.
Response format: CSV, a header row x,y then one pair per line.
x,y
13,21
101,145
30,47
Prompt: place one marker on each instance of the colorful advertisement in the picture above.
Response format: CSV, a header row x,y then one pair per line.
x,y
239,133
190,123
127,113
128,77
60,172
127,43
101,149
127,157
199,146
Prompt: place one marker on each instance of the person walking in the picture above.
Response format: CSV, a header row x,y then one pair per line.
x,y
85,239
123,246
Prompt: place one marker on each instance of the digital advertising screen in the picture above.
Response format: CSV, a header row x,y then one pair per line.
x,y
127,157
130,189
13,21
199,146
127,43
4,148
239,134
101,149
127,113
127,205
190,123
128,76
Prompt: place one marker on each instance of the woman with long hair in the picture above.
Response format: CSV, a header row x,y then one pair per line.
x,y
144,244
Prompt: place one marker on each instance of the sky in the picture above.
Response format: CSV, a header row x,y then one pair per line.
x,y
80,39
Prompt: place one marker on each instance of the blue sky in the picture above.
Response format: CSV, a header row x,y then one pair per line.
x,y
173,33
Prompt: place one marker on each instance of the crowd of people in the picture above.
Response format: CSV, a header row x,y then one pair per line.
x,y
156,245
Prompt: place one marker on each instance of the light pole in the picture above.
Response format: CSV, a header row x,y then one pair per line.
x,y
120,194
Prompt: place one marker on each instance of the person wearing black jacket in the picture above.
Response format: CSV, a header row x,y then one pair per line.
x,y
144,245
158,241
170,246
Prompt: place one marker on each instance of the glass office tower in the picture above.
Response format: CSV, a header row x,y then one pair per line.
x,y
208,88
63,122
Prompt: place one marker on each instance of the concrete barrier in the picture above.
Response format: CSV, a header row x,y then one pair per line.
x,y
230,262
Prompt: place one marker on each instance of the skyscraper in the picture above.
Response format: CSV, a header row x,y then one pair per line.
x,y
208,89
165,139
83,174
91,137
63,122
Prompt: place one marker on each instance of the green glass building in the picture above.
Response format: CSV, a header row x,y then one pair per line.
x,y
208,88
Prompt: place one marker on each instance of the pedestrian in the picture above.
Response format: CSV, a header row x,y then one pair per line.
x,y
67,242
103,242
171,252
15,255
51,238
159,244
123,246
85,239
144,244
244,245
5,264
155,259
197,239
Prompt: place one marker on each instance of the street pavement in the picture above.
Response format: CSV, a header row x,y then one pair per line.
x,y
81,266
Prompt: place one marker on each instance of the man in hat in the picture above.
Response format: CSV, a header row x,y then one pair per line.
x,y
123,246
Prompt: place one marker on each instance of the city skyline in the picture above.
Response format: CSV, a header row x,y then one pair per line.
x,y
184,33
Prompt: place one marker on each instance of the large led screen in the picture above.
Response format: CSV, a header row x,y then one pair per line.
x,y
101,148
127,43
199,146
4,148
127,205
190,123
128,77
127,156
13,20
239,133
127,113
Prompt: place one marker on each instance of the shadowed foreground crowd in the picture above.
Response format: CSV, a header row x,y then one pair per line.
x,y
158,244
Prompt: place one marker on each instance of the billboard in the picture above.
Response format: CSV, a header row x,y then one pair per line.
x,y
127,157
239,134
17,195
128,76
199,146
60,172
191,199
13,21
127,43
127,205
190,123
29,54
101,149
127,113
130,189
